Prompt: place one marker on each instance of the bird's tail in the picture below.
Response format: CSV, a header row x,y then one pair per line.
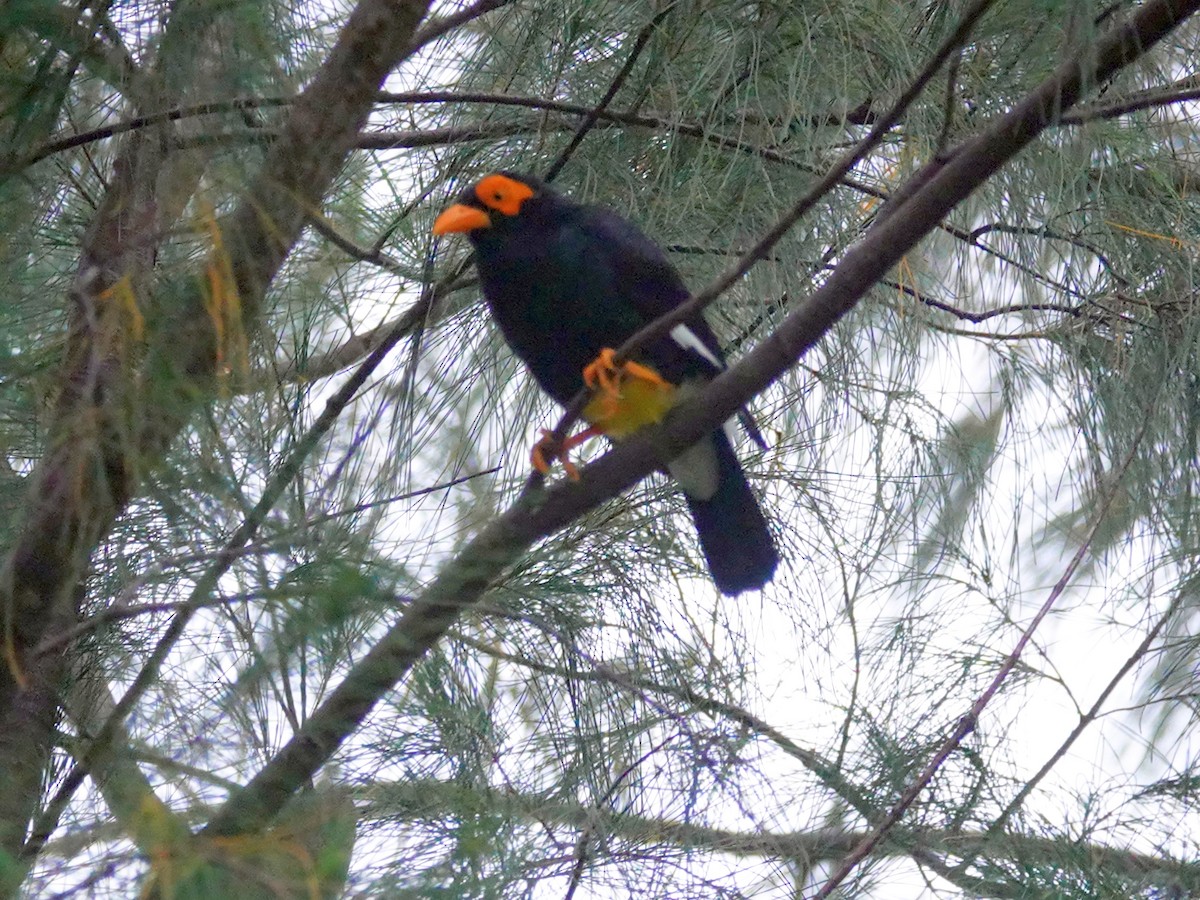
x,y
733,531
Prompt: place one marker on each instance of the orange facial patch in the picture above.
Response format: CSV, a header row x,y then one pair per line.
x,y
503,194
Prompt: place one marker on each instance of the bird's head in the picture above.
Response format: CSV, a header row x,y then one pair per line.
x,y
496,201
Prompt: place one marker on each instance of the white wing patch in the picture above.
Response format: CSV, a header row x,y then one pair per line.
x,y
686,338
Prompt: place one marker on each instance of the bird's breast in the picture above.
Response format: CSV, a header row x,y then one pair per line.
x,y
550,319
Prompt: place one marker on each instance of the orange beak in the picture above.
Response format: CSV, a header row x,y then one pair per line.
x,y
461,218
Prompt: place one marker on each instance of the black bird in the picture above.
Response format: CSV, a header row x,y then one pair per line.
x,y
566,283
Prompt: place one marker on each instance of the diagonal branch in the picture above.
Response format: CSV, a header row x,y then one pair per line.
x,y
436,28
761,250
936,190
594,114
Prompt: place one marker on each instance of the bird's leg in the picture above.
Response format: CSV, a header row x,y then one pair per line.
x,y
549,447
605,374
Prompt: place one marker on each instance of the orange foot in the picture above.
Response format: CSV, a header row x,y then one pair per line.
x,y
545,450
605,374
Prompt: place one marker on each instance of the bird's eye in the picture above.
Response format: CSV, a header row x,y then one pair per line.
x,y
503,194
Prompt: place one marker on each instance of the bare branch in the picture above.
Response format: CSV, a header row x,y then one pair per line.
x,y
438,27
593,115
1185,90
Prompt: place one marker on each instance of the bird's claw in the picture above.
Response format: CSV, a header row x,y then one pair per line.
x,y
546,450
605,374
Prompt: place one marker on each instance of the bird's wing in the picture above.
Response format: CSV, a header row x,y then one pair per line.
x,y
646,277
649,281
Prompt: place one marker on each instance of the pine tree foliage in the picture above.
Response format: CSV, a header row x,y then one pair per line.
x,y
266,459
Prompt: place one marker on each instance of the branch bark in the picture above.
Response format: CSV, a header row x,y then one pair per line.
x,y
128,390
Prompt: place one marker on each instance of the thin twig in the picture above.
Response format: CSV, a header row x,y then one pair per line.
x,y
585,835
1090,716
925,844
594,114
967,723
122,611
1184,92
438,27
372,255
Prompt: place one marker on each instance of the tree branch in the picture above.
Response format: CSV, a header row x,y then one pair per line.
x,y
536,514
85,479
434,800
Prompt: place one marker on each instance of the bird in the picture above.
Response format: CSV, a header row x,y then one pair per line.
x,y
567,282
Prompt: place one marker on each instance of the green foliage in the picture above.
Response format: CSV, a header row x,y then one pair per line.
x,y
1023,386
